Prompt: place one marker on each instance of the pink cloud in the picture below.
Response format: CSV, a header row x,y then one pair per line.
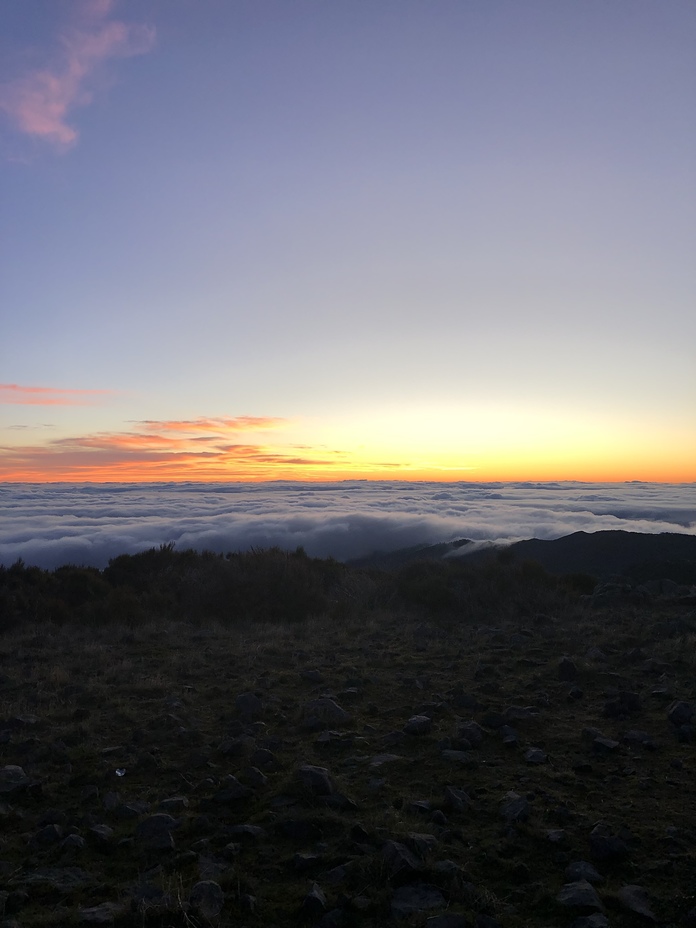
x,y
16,395
218,425
40,101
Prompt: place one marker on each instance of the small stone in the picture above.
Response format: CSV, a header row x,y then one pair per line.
x,y
418,725
248,705
13,779
447,921
567,669
535,756
604,846
314,903
232,790
579,895
399,859
316,780
456,799
174,804
422,844
207,898
417,897
73,844
155,831
515,808
582,870
323,710
465,758
603,746
104,914
46,837
635,899
679,713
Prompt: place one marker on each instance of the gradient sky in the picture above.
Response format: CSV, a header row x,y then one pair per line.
x,y
262,239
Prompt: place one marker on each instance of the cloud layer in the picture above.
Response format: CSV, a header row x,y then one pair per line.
x,y
49,525
40,101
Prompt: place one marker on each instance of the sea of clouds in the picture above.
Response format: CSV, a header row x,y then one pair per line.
x,y
52,524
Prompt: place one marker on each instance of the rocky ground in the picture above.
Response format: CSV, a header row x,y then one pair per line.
x,y
382,769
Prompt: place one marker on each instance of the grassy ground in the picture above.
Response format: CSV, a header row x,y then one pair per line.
x,y
156,700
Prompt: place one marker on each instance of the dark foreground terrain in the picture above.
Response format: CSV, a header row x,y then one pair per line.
x,y
447,747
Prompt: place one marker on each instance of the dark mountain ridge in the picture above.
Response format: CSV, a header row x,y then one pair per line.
x,y
636,555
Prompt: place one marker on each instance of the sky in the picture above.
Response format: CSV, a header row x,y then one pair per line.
x,y
259,240
51,524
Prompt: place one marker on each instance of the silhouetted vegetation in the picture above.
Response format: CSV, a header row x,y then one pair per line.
x,y
262,585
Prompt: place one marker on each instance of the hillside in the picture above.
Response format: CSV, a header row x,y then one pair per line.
x,y
267,739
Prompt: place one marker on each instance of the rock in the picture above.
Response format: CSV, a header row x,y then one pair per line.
x,y
465,758
232,790
302,830
318,712
641,738
379,759
582,870
336,918
456,799
312,676
174,804
255,776
155,832
509,736
515,808
104,914
421,844
65,879
13,780
253,832
635,899
679,713
605,846
486,921
535,756
248,705
73,844
314,903
594,654
567,669
520,713
418,725
603,746
417,897
447,921
622,705
46,837
101,836
316,780
591,921
472,732
207,898
399,859
580,895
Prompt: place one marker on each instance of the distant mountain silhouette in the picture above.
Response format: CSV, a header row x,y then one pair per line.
x,y
636,555
602,554
390,560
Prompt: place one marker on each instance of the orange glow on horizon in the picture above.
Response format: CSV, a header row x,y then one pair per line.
x,y
483,447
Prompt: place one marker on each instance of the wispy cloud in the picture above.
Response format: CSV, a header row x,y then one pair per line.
x,y
16,395
217,425
39,102
193,449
